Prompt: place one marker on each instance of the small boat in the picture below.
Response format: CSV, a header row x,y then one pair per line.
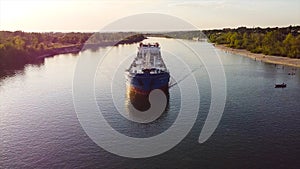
x,y
282,85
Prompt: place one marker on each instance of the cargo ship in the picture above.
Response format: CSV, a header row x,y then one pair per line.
x,y
146,73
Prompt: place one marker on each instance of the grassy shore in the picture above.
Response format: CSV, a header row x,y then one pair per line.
x,y
261,57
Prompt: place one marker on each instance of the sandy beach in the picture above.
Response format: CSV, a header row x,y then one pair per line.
x,y
261,57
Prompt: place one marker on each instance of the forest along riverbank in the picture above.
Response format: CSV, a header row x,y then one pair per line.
x,y
20,48
261,57
78,48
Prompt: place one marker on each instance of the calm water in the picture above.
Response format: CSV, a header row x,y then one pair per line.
x,y
260,127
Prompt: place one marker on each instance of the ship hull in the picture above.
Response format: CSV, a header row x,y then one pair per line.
x,y
140,86
146,73
144,83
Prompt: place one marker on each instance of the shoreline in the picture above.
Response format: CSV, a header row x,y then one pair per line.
x,y
71,49
16,58
279,60
79,47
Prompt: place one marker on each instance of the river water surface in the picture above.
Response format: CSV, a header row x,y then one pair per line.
x,y
260,127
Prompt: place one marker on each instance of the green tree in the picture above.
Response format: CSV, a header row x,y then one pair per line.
x,y
19,43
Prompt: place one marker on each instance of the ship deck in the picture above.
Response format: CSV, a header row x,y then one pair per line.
x,y
148,58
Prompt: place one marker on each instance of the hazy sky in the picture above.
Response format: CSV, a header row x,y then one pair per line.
x,y
92,15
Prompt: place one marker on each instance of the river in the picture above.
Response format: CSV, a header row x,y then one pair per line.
x,y
260,126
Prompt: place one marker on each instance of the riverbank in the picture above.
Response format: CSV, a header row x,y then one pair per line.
x,y
70,49
261,57
20,48
79,47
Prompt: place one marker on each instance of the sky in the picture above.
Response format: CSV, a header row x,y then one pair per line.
x,y
93,15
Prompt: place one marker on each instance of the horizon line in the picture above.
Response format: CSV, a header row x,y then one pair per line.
x,y
143,31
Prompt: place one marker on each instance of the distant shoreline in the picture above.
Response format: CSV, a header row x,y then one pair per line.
x,y
77,48
72,49
261,57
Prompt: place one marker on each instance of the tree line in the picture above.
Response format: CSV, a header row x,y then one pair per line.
x,y
19,48
270,41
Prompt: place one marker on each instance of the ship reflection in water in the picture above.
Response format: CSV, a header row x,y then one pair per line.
x,y
147,81
145,108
